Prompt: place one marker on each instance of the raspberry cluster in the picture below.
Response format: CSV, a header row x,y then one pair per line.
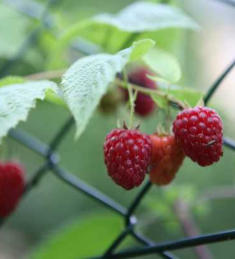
x,y
129,153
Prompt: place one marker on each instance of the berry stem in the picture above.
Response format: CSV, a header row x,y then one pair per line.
x,y
174,102
168,110
132,98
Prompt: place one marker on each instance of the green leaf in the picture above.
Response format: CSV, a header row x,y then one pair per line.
x,y
52,95
185,94
55,96
117,31
140,48
145,16
87,80
16,100
81,239
160,101
163,63
171,40
9,80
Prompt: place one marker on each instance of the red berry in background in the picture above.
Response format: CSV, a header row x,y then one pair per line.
x,y
167,157
127,156
11,187
144,105
200,132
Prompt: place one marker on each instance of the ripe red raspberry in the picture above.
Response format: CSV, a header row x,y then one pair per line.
x,y
167,157
200,132
127,155
144,105
11,187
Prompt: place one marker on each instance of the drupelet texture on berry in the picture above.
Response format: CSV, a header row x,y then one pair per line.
x,y
200,132
167,157
144,105
127,155
11,187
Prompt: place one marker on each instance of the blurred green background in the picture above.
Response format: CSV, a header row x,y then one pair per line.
x,y
52,204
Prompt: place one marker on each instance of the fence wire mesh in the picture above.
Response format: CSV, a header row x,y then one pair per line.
x,y
52,163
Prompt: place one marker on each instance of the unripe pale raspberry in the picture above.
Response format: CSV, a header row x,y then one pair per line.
x,y
200,132
167,157
127,155
11,187
110,101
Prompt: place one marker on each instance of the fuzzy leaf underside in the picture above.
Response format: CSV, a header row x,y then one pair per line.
x,y
87,80
16,100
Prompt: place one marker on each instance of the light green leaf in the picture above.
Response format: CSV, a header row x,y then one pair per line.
x,y
163,63
140,48
9,80
55,97
117,31
81,239
185,94
87,80
52,95
160,101
16,100
145,16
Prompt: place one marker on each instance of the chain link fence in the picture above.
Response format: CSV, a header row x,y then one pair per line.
x,y
52,164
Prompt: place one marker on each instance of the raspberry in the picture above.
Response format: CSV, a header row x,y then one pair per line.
x,y
127,156
167,157
144,105
11,187
110,101
200,132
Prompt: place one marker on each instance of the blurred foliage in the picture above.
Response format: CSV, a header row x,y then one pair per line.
x,y
52,203
17,27
85,238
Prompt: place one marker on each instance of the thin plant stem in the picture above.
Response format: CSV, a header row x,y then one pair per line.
x,y
180,105
132,97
